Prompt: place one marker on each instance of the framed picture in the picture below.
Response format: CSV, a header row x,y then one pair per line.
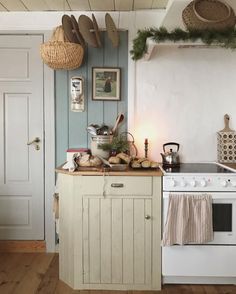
x,y
106,83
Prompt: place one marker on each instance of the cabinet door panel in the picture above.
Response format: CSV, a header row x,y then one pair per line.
x,y
117,240
139,242
86,240
128,241
94,241
148,242
106,240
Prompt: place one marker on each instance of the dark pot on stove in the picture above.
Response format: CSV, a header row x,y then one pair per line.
x,y
170,157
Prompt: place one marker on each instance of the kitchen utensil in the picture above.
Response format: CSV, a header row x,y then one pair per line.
x,y
87,30
92,129
226,143
104,130
119,119
170,157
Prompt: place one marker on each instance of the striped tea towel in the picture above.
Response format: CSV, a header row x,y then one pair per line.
x,y
189,220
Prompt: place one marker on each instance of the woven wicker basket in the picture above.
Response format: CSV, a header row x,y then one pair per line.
x,y
208,14
59,54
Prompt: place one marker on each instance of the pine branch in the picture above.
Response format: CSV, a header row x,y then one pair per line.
x,y
225,39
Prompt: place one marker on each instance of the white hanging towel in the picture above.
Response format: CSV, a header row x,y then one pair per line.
x,y
189,220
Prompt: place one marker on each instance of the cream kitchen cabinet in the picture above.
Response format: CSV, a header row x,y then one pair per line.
x,y
110,231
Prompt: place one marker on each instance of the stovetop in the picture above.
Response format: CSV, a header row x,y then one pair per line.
x,y
199,177
197,168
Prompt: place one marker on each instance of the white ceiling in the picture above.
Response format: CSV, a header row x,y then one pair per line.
x,y
80,5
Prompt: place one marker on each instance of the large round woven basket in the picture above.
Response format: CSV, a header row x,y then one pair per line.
x,y
208,15
59,54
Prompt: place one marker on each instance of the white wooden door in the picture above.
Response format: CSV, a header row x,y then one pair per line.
x,y
21,120
117,240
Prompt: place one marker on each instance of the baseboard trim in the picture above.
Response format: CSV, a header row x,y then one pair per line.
x,y
198,280
22,246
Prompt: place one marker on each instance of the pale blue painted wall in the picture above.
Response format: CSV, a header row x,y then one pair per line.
x,y
71,126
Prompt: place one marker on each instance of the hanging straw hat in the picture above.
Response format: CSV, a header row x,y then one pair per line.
x,y
96,29
112,30
86,29
77,32
68,29
208,14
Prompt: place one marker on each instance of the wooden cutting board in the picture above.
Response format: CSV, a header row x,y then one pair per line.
x,y
226,143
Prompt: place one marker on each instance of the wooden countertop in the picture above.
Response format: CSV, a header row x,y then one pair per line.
x,y
100,172
232,165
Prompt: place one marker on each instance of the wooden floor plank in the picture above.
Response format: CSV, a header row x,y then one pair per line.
x,y
62,288
15,268
226,289
33,277
50,279
32,273
22,246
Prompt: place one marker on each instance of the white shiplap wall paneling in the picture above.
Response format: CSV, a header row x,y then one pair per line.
x,y
57,4
2,8
142,4
104,5
124,5
13,5
159,4
35,5
80,5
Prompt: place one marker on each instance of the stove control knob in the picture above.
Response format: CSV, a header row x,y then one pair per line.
x,y
193,183
182,184
203,183
224,183
172,183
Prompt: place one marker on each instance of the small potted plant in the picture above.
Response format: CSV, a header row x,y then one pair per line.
x,y
117,145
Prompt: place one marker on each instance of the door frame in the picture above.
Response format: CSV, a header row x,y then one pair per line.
x,y
49,142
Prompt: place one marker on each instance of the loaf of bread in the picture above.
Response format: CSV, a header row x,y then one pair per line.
x,y
114,159
140,160
95,161
154,164
89,160
146,163
124,157
135,164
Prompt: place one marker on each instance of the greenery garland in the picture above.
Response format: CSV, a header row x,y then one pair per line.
x,y
226,39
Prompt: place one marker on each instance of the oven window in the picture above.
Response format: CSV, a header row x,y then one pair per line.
x,y
222,217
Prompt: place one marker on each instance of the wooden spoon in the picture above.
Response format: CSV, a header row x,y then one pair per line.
x,y
119,119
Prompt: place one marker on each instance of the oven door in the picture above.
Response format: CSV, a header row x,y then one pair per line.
x,y
224,216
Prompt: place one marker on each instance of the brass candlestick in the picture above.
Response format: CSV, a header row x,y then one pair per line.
x,y
146,148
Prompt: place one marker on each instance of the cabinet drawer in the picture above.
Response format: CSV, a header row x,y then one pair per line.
x,y
114,185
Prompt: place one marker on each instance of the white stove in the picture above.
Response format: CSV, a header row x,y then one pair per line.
x,y
215,261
